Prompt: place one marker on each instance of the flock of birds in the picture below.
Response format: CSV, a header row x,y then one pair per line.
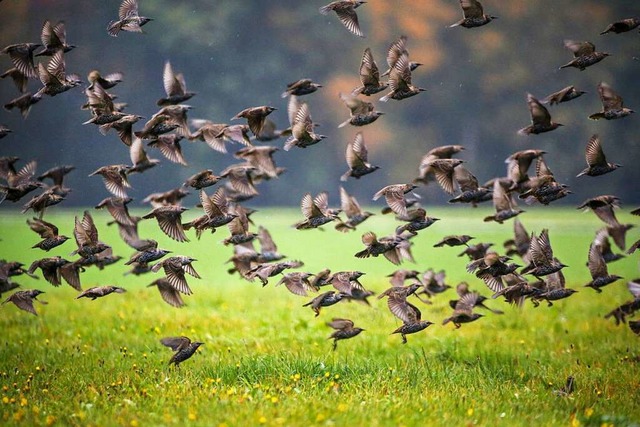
x,y
239,183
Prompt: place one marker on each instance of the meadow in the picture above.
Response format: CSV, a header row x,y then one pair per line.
x,y
267,360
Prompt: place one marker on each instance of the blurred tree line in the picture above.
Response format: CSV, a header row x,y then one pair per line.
x,y
241,54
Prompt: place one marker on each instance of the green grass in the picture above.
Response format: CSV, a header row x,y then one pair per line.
x,y
267,360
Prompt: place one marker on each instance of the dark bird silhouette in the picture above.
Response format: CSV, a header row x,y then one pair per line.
x,y
147,255
369,76
326,299
409,314
357,159
175,87
598,269
170,221
24,300
628,308
473,15
634,325
21,55
23,103
4,131
123,126
129,19
563,95
100,291
476,251
316,211
622,26
519,245
184,348
361,112
596,160
400,81
174,269
114,178
463,312
344,329
48,233
346,11
54,38
584,54
301,87
169,294
57,174
540,118
157,125
612,104
459,240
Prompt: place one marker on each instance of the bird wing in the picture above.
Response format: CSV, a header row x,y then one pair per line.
x,y
471,8
176,343
610,99
597,266
594,154
539,113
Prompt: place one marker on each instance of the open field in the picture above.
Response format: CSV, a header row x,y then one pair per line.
x,y
267,360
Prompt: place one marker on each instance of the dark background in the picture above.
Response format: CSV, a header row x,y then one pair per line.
x,y
238,54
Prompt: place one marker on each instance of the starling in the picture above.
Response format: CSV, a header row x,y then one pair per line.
x,y
168,293
563,95
471,191
117,208
316,211
140,162
397,49
184,348
361,112
543,188
400,81
24,300
398,277
444,170
42,201
519,245
124,127
157,125
57,174
324,300
23,103
463,312
540,118
463,289
50,268
255,117
266,270
297,283
216,213
612,106
344,330
174,269
54,78
628,308
268,249
147,255
174,86
302,134
100,291
491,268
622,26
170,221
114,178
357,159
554,289
584,54
128,19
301,87
601,240
48,232
369,76
603,207
596,159
417,220
347,283
169,146
239,186
261,158
21,55
400,291
106,82
375,247
346,11
409,314
454,241
504,205
19,80
54,38
86,236
394,195
425,170
351,208
540,254
239,226
598,269
477,251
473,15
202,179
215,135
634,247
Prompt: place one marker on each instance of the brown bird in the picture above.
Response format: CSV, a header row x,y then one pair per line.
x,y
23,103
157,125
603,207
174,86
316,211
184,348
426,172
542,261
477,251
400,81
41,202
265,270
361,112
382,246
453,241
409,314
302,126
324,300
553,289
24,300
170,221
169,294
129,19
596,159
394,195
301,87
629,308
463,289
48,232
357,159
86,236
54,78
346,11
216,134
21,55
397,49
216,213
463,312
598,269
622,26
54,38
106,82
351,208
117,208
19,80
542,188
169,146
345,329
100,291
140,162
444,170
174,269
255,117
114,178
584,54
540,118
519,245
369,76
239,226
297,283
239,185
202,179
612,104
123,126
166,198
473,15
504,205
261,158
57,174
563,95
471,191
